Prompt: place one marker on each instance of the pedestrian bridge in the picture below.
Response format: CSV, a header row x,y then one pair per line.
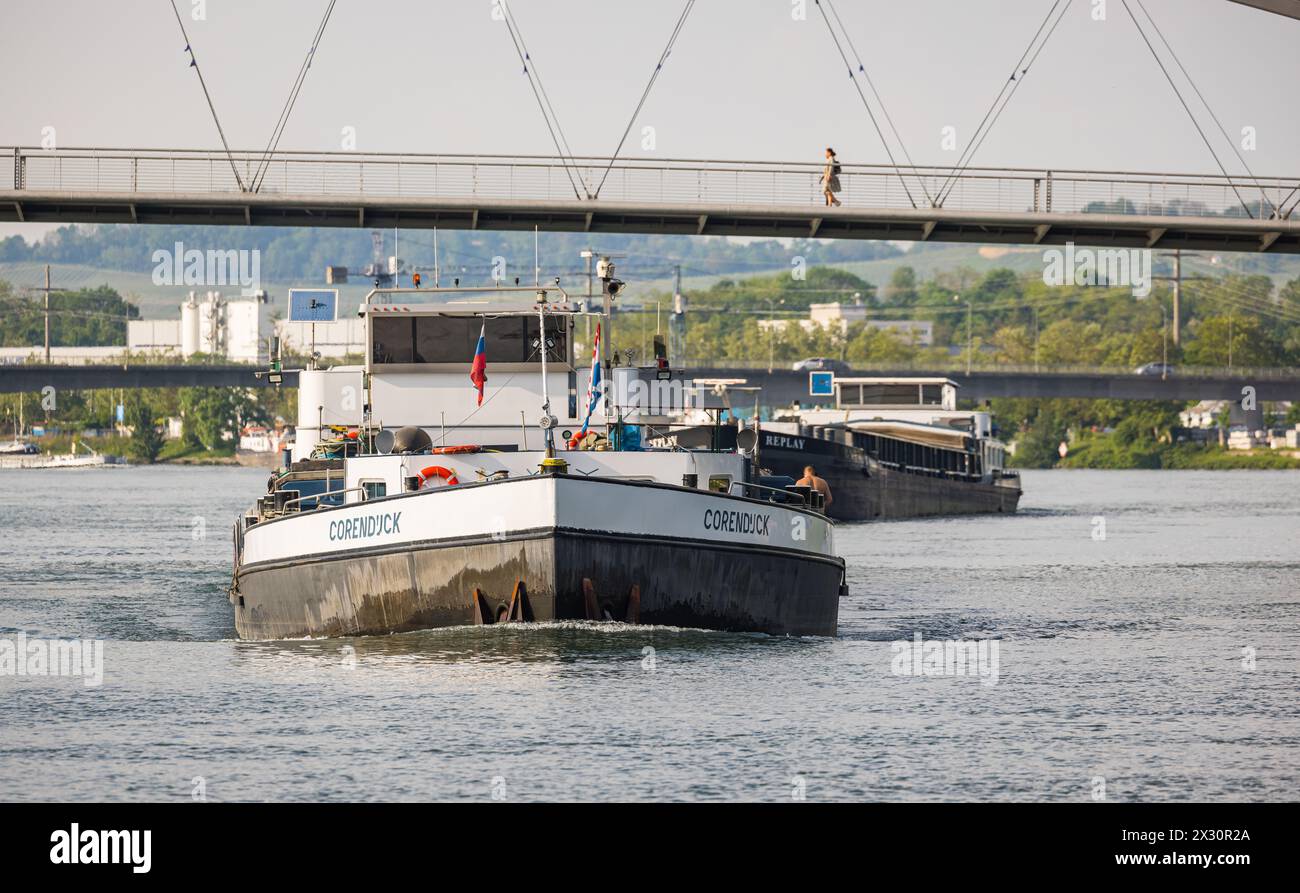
x,y
678,196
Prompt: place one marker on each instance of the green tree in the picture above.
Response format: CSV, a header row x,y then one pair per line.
x,y
212,416
90,316
1239,340
1290,294
1037,443
1001,285
901,289
1013,344
870,345
146,440
1069,341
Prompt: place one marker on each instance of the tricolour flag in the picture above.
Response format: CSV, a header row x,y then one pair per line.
x,y
478,372
593,386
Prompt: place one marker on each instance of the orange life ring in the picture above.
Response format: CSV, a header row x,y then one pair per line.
x,y
452,450
426,474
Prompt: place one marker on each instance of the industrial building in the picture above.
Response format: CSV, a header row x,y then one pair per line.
x,y
842,316
236,329
240,330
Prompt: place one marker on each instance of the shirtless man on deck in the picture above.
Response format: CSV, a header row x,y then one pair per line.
x,y
810,479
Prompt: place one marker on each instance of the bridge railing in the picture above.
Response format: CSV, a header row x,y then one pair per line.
x,y
635,181
703,367
1245,373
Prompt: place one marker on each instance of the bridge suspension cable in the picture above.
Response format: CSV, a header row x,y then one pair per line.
x,y
278,131
862,69
1003,99
654,76
1245,301
194,63
1237,293
1281,206
1160,62
866,105
1231,143
544,103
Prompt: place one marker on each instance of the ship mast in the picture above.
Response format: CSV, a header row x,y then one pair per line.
x,y
548,421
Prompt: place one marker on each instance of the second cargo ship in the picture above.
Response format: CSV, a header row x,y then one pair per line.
x,y
889,448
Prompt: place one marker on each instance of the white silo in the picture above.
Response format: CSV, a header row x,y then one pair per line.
x,y
190,327
212,325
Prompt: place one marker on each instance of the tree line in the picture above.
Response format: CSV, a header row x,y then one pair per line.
x,y
1240,321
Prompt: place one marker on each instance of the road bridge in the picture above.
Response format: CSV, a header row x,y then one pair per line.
x,y
780,387
23,378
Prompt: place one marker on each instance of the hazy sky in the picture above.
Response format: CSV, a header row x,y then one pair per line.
x,y
746,80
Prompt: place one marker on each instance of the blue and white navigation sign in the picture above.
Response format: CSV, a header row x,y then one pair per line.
x,y
313,304
821,384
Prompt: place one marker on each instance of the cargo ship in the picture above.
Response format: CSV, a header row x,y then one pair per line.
x,y
889,448
435,485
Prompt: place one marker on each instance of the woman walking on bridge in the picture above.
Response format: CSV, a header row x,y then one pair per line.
x,y
831,178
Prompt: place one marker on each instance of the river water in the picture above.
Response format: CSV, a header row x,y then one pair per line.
x,y
1146,626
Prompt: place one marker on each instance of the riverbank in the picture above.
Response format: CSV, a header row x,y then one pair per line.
x,y
174,452
1109,452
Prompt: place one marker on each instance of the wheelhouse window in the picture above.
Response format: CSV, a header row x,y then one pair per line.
x,y
313,493
446,339
555,344
932,394
453,339
393,339
890,394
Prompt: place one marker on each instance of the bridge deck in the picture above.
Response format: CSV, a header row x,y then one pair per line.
x,y
1138,210
780,387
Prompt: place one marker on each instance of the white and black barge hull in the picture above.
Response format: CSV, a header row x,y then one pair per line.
x,y
582,548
